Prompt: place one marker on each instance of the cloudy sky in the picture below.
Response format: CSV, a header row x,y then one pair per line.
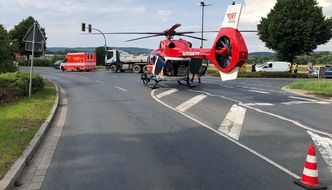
x,y
62,19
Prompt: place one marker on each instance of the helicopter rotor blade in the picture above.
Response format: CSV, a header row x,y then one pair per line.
x,y
212,31
160,33
193,37
151,36
172,30
169,33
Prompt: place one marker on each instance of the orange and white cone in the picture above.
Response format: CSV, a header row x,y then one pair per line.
x,y
310,178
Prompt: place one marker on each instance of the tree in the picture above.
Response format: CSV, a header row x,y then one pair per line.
x,y
6,52
294,27
18,33
100,55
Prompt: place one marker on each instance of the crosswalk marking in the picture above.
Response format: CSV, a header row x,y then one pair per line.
x,y
232,124
191,102
168,92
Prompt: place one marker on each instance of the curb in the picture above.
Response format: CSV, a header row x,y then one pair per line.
x,y
305,93
17,168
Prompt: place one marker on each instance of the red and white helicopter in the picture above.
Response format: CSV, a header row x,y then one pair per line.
x,y
175,58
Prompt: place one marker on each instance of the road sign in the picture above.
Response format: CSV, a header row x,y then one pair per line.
x,y
38,46
34,29
34,41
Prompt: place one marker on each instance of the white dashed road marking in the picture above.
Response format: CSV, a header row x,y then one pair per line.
x,y
262,92
120,88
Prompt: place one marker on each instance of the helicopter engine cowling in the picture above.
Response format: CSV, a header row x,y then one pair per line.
x,y
229,50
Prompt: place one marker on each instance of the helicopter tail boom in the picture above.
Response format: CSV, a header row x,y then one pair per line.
x,y
229,51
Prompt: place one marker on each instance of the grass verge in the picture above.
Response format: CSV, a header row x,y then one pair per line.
x,y
319,87
19,123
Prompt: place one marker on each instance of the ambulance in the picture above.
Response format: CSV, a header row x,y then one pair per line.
x,y
79,62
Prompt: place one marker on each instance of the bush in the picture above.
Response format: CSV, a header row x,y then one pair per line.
x,y
215,72
7,66
37,63
16,85
273,75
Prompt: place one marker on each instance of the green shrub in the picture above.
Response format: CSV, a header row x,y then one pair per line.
x,y
37,63
215,73
16,85
7,66
7,93
273,75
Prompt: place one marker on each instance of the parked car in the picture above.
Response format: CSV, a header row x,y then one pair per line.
x,y
57,64
328,71
314,72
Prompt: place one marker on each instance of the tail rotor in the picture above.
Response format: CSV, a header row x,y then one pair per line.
x,y
223,51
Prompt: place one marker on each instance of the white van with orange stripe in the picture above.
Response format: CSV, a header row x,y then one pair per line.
x,y
79,62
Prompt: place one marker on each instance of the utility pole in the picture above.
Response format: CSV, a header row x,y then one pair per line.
x,y
89,30
203,5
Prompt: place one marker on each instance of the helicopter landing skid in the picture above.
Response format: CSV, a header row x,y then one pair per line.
x,y
190,85
147,79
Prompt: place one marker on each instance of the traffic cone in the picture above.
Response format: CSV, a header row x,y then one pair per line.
x,y
310,178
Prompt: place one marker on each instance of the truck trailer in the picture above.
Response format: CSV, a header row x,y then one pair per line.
x,y
123,61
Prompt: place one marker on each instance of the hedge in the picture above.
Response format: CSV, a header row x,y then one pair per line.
x,y
16,85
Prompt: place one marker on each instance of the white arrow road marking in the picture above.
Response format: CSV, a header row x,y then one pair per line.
x,y
324,146
166,93
233,121
226,136
297,123
189,103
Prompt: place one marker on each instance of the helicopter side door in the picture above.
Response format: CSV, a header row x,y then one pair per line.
x,y
198,66
195,65
160,63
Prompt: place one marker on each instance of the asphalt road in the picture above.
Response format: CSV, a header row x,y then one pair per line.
x,y
119,134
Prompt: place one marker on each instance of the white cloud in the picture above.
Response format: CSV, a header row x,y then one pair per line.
x,y
327,7
62,19
253,10
164,15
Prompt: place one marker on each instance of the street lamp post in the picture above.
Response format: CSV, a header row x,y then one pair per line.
x,y
89,29
203,5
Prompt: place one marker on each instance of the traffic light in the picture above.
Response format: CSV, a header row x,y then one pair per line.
x,y
90,28
83,27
